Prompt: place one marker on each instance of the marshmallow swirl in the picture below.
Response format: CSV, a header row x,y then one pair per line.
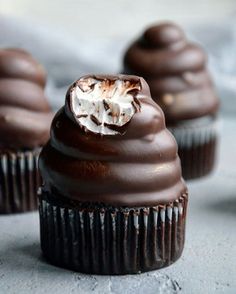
x,y
134,166
25,115
175,71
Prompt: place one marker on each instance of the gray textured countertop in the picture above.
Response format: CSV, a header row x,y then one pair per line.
x,y
208,264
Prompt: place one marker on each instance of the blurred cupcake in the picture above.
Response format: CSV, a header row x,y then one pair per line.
x,y
25,119
113,200
180,83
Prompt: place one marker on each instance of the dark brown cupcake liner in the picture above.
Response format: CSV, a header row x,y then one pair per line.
x,y
110,240
197,148
19,181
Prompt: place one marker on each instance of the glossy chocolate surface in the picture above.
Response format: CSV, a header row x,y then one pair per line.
x,y
175,70
136,168
25,115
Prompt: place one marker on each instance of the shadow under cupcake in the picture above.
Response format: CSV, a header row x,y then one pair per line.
x,y
180,83
113,200
25,118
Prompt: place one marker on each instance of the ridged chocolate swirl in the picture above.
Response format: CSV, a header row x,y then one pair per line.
x,y
175,71
137,166
25,115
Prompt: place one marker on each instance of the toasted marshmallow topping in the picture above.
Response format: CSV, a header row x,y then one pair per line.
x,y
103,106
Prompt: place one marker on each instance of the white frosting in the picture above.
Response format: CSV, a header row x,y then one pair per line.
x,y
100,104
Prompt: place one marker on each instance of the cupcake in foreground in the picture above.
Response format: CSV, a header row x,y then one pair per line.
x,y
113,200
180,83
25,119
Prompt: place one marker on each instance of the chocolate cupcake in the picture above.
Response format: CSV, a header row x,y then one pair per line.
x,y
180,83
113,200
25,119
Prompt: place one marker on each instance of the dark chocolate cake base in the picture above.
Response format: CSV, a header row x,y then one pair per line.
x,y
197,146
19,181
198,161
107,240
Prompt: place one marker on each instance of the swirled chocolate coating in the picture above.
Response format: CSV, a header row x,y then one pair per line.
x,y
138,166
25,115
175,71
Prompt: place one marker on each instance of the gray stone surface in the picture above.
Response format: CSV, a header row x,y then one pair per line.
x,y
208,264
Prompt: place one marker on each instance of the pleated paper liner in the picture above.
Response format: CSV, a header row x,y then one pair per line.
x,y
197,147
19,181
106,240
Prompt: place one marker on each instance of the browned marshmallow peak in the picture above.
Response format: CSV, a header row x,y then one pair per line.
x,y
175,70
25,115
119,161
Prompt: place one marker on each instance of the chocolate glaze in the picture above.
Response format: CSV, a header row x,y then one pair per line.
x,y
25,115
137,168
19,64
175,71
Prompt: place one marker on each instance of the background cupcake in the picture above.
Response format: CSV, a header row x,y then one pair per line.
x,y
180,83
25,119
112,202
